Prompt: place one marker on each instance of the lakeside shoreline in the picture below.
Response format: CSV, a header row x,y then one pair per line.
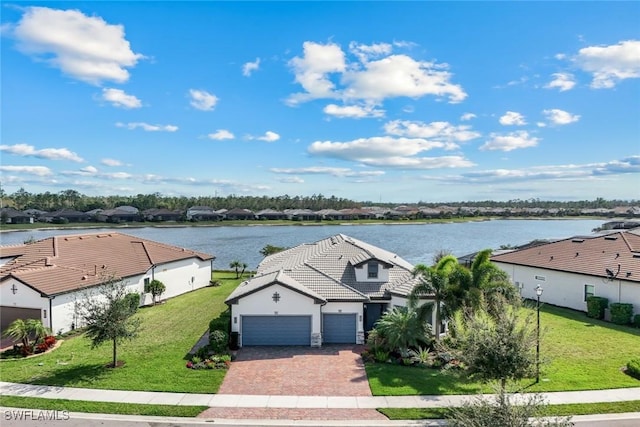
x,y
251,223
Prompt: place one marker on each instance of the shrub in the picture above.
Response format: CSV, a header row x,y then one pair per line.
x,y
222,322
234,343
132,300
381,356
218,341
636,320
596,306
633,368
621,313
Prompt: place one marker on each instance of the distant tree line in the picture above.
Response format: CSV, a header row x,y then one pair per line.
x,y
72,199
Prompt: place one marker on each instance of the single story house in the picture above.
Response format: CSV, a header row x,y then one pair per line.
x,y
161,214
330,291
270,214
44,279
240,214
14,216
572,269
202,213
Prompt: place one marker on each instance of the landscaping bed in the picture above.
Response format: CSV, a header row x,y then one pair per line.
x,y
578,353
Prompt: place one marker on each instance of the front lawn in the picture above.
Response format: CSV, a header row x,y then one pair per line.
x,y
582,354
154,361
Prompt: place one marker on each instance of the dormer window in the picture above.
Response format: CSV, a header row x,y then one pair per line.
x,y
372,270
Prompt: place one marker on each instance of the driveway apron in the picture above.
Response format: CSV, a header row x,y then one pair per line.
x,y
333,370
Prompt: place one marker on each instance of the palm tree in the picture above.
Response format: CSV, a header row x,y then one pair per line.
x,y
244,267
21,330
482,282
236,265
434,281
402,328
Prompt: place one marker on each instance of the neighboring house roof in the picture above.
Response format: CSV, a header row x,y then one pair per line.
x,y
615,254
63,264
327,267
14,213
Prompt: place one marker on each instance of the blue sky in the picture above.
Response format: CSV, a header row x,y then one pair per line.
x,y
373,101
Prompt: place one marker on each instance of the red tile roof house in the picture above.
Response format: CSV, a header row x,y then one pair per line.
x,y
327,292
43,279
569,270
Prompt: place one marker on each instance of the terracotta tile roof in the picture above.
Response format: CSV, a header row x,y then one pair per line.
x,y
66,263
618,252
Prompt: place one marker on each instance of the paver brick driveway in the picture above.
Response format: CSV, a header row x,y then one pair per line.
x,y
333,370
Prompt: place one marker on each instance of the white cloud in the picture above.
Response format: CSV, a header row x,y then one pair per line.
x,y
562,81
29,170
441,131
250,67
326,170
111,162
366,52
568,172
89,170
375,147
512,118
221,134
512,141
118,98
421,162
560,117
401,75
147,127
312,71
365,79
26,150
269,137
353,111
291,180
84,47
467,116
202,100
611,64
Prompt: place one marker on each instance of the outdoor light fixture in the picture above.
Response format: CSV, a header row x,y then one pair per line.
x,y
538,295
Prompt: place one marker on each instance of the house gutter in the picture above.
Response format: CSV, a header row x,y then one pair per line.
x,y
51,314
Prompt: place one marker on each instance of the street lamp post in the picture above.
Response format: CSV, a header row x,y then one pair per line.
x,y
538,294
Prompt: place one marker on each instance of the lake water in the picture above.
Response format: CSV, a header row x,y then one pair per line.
x,y
416,243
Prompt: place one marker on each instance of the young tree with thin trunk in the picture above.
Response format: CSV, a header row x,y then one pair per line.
x,y
108,316
156,288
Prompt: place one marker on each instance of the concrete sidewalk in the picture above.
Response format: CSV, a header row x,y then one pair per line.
x,y
266,401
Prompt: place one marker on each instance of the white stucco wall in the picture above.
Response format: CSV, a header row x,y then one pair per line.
x,y
24,297
261,303
64,306
179,277
567,289
362,273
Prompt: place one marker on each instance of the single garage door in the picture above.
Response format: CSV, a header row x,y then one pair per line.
x,y
9,313
276,330
339,328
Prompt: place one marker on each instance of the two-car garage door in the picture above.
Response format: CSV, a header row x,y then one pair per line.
x,y
276,330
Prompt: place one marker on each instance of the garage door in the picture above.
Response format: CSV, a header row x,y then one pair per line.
x,y
9,313
276,330
339,328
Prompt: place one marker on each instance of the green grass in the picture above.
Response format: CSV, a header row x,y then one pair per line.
x,y
550,410
577,353
154,361
101,407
